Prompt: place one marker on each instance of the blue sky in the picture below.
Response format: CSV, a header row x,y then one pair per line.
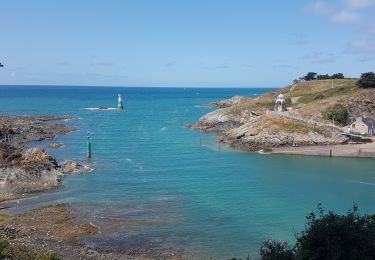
x,y
183,43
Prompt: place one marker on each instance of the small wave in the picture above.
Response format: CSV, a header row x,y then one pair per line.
x,y
163,129
129,159
263,152
365,183
99,108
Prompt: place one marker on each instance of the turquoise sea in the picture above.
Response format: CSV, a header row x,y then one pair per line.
x,y
160,185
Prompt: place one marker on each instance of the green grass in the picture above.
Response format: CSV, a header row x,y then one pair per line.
x,y
339,113
300,128
331,92
3,217
8,251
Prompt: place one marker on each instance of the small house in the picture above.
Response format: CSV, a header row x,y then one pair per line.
x,y
363,126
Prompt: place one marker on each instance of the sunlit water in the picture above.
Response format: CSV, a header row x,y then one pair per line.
x,y
159,184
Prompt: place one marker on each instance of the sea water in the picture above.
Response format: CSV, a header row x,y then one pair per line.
x,y
161,185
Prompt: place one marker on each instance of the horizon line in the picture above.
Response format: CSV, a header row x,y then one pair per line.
x,y
111,86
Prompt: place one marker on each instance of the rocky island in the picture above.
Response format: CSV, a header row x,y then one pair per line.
x,y
313,113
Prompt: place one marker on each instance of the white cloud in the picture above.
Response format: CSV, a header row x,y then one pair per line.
x,y
345,16
13,73
359,4
346,11
320,7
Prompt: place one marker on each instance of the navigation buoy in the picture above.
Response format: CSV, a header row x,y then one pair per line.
x,y
88,148
120,106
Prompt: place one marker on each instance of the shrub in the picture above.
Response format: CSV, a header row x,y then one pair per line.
x,y
338,76
333,236
367,80
320,77
310,76
17,252
328,236
338,113
272,249
4,245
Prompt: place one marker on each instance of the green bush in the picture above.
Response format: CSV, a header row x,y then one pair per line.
x,y
328,236
16,252
333,236
367,80
338,113
4,245
338,76
279,250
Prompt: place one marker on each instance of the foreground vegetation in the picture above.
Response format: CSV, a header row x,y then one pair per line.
x,y
329,236
367,80
17,252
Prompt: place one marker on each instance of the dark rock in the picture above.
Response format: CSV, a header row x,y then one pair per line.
x,y
25,169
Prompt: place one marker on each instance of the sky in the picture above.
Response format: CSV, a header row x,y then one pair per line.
x,y
183,43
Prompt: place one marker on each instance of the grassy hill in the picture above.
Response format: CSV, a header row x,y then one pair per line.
x,y
312,99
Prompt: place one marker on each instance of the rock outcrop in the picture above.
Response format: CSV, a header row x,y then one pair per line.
x,y
55,145
25,169
362,105
217,120
263,132
228,102
251,124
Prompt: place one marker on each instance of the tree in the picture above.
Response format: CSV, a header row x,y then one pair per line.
x,y
328,235
333,236
310,76
272,249
339,113
338,76
320,77
367,80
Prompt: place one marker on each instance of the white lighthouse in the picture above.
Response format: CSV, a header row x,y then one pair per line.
x,y
280,102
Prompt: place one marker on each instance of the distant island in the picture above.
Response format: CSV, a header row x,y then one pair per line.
x,y
321,115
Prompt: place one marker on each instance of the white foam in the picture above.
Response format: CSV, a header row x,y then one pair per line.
x,y
365,183
99,108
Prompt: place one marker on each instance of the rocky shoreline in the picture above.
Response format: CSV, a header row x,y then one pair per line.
x,y
252,124
26,170
254,130
56,228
